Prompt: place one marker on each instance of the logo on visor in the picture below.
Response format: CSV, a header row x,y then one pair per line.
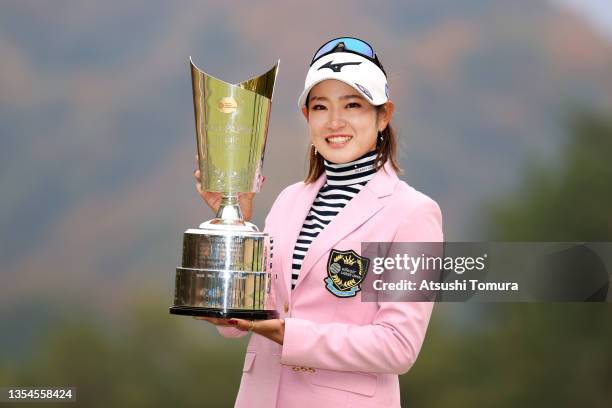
x,y
337,67
364,90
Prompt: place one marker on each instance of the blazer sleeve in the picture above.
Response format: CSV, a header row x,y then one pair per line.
x,y
391,343
232,332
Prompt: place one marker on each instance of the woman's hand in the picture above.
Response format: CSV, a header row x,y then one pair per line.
x,y
214,199
273,329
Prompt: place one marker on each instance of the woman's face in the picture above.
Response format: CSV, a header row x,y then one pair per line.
x,y
343,125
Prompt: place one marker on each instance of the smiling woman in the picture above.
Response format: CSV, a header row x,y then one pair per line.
x,y
328,348
343,125
344,116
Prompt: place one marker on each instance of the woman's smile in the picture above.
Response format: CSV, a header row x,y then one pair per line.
x,y
338,141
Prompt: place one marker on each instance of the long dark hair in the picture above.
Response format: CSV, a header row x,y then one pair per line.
x,y
387,151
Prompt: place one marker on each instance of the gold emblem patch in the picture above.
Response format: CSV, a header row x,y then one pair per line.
x,y
345,272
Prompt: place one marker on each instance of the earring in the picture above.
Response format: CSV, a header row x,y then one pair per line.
x,y
380,136
315,149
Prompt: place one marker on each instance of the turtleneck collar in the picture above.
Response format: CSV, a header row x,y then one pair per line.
x,y
360,170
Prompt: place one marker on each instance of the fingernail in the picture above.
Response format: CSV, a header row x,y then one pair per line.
x,y
232,321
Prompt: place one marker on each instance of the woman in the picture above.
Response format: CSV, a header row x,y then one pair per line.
x,y
329,349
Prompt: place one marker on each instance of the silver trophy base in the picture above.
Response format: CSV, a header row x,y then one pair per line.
x,y
224,274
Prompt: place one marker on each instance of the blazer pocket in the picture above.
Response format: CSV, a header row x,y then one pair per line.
x,y
357,382
248,361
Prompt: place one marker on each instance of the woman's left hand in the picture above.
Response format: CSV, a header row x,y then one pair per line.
x,y
273,329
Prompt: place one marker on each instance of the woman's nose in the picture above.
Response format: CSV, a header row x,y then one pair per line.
x,y
336,121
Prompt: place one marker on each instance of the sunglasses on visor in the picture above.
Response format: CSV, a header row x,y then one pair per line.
x,y
348,44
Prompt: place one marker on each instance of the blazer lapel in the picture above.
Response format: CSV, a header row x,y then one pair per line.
x,y
361,208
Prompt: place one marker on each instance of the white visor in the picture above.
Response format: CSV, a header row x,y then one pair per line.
x,y
352,69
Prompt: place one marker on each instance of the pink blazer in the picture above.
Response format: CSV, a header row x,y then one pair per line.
x,y
338,352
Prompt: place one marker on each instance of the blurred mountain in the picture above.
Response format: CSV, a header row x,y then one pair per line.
x,y
96,122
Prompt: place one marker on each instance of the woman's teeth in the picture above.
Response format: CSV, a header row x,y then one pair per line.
x,y
338,139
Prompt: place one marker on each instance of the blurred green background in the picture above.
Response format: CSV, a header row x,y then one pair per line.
x,y
505,114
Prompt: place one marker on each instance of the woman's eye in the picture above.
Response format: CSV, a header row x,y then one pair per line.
x,y
318,107
353,105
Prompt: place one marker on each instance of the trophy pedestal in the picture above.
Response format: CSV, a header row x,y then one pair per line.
x,y
224,274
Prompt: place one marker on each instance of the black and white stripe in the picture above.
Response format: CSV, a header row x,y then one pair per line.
x,y
344,181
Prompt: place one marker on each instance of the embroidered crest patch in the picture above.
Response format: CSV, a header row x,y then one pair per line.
x,y
345,272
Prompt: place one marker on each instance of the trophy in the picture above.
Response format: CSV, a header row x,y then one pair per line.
x,y
225,265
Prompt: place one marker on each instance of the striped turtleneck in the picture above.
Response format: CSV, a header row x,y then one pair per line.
x,y
344,181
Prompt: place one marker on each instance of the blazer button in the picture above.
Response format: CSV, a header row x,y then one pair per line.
x,y
286,307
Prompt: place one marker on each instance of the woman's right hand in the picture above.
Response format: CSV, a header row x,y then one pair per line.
x,y
213,199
